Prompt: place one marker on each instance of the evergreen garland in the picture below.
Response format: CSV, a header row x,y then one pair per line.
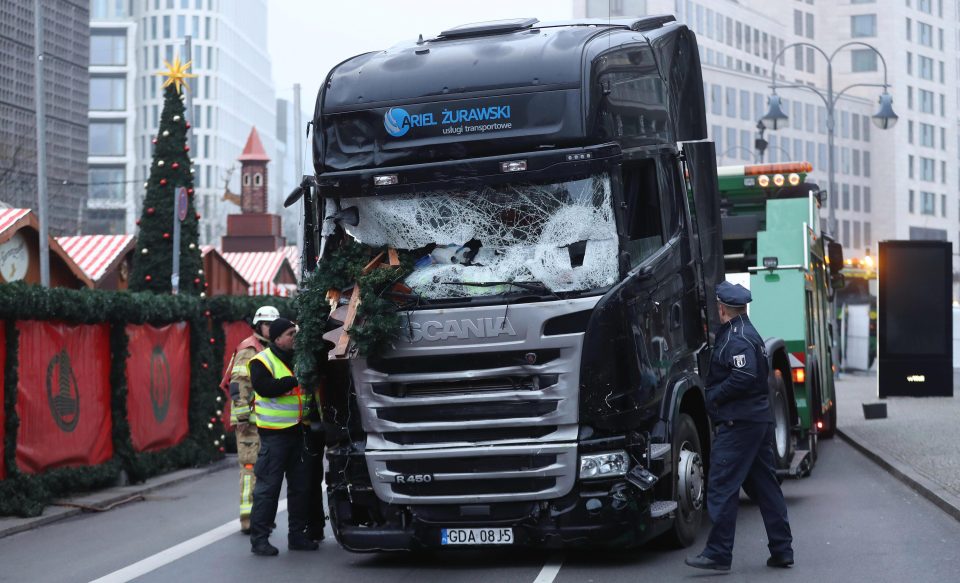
x,y
171,167
378,322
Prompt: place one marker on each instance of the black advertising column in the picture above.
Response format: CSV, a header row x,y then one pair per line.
x,y
915,319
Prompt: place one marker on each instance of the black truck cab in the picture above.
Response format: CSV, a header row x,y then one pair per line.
x,y
546,392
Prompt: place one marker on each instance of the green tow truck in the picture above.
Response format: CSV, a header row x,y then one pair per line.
x,y
773,245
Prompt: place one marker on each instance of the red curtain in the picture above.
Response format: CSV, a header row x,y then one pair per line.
x,y
3,419
158,385
233,334
63,395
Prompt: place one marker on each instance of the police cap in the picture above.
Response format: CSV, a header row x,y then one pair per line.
x,y
733,294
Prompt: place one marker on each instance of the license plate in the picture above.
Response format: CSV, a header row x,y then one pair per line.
x,y
476,536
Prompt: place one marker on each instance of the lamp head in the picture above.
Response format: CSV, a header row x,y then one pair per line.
x,y
775,118
885,118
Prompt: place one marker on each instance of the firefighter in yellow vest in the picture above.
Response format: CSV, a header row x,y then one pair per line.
x,y
282,411
241,410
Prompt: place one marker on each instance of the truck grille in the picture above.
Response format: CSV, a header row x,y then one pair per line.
x,y
468,475
489,419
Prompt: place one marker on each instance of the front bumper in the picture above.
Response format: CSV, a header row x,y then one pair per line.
x,y
609,514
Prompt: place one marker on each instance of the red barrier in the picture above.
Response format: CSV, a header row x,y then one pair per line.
x,y
158,385
3,419
63,395
233,333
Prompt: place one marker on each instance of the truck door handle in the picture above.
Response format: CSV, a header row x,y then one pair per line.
x,y
676,316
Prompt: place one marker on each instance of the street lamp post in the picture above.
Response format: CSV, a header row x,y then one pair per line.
x,y
885,118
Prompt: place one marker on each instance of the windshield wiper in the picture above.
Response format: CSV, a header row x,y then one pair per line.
x,y
527,285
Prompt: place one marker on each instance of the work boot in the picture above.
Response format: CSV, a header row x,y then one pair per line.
x,y
781,561
701,562
315,533
263,548
300,542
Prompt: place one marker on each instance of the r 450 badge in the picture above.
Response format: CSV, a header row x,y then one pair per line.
x,y
414,478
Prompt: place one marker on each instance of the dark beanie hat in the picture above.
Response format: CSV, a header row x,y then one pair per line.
x,y
278,327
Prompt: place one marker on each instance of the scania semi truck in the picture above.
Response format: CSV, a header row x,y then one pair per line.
x,y
546,388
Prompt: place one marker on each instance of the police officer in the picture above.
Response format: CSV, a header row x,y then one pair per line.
x,y
742,452
282,408
237,381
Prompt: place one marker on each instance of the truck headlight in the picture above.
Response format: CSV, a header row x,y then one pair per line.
x,y
604,465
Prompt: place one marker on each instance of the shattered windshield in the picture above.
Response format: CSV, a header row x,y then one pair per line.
x,y
560,234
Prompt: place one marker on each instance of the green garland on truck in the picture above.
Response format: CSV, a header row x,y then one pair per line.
x,y
378,321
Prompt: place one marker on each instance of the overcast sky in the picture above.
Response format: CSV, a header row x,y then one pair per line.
x,y
309,37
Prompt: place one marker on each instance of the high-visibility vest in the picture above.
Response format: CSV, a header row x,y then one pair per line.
x,y
286,410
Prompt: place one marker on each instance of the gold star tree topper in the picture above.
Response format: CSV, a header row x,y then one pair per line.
x,y
176,73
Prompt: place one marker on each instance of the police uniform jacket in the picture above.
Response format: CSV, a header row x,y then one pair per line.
x,y
737,380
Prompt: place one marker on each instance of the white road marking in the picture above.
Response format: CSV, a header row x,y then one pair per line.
x,y
550,570
176,552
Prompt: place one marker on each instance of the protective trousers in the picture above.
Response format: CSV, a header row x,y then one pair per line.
x,y
742,456
282,453
248,445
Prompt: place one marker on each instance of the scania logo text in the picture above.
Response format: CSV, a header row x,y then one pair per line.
x,y
461,329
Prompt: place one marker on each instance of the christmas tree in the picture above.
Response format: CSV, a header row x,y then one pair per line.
x,y
171,168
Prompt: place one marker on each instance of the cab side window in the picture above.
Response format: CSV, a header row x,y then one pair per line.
x,y
641,192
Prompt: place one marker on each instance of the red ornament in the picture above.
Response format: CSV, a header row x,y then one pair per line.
x,y
166,235
205,285
204,365
187,147
190,191
175,165
198,216
196,280
187,125
138,222
213,341
222,450
207,313
154,140
150,210
163,182
147,277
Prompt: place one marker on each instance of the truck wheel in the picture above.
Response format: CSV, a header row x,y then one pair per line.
x,y
690,487
784,445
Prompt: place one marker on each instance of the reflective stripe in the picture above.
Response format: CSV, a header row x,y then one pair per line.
x,y
246,497
283,411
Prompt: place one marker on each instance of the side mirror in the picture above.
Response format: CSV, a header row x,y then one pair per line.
x,y
835,255
348,216
838,281
298,192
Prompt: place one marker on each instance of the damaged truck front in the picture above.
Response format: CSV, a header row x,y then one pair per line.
x,y
544,390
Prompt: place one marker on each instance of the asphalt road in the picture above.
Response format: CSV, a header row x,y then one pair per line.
x,y
851,522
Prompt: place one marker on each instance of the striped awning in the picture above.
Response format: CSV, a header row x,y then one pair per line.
x,y
96,254
261,269
9,217
292,253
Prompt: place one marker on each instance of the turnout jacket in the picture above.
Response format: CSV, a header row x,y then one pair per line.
x,y
737,387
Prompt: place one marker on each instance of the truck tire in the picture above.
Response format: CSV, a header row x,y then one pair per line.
x,y
690,484
783,429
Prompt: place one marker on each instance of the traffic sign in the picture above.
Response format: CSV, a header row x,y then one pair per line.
x,y
182,203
